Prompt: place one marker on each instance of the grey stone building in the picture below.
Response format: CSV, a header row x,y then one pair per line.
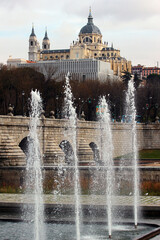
x,y
81,69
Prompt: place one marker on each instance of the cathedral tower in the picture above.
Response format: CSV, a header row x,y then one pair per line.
x,y
46,42
33,46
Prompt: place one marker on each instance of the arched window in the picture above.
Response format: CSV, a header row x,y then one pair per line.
x,y
87,40
24,145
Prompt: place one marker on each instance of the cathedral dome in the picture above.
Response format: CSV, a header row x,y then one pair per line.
x,y
90,27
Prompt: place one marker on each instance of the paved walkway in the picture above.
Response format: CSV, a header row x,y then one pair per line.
x,y
85,199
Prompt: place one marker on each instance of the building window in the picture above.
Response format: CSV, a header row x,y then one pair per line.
x,y
95,54
77,55
67,56
31,43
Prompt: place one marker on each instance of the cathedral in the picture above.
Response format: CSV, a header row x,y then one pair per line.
x,y
89,46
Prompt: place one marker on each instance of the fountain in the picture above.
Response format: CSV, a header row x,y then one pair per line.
x,y
70,114
33,184
131,112
34,227
106,156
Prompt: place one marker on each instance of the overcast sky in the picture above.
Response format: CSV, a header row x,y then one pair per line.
x,y
133,26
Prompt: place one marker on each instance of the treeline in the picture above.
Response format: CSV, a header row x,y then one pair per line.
x,y
17,83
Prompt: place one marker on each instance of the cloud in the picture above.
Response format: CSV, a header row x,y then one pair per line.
x,y
126,23
12,4
117,11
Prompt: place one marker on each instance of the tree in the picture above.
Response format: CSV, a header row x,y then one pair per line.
x,y
15,81
48,70
153,79
153,97
126,77
137,81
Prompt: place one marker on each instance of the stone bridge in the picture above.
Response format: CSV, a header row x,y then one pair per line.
x,y
54,139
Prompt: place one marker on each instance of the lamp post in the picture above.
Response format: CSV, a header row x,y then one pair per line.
x,y
81,104
57,109
23,93
156,112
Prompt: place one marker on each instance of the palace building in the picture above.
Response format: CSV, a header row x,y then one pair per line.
x,y
89,46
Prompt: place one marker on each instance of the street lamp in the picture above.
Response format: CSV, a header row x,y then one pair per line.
x,y
23,93
57,109
81,106
156,107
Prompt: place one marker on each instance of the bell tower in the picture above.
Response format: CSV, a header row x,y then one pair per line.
x,y
33,46
46,42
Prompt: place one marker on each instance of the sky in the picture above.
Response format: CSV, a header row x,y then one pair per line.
x,y
133,26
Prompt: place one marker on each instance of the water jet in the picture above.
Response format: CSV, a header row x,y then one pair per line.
x,y
89,220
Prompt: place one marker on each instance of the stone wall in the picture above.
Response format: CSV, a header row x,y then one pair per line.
x,y
52,132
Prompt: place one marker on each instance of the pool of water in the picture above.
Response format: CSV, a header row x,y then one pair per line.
x,y
24,231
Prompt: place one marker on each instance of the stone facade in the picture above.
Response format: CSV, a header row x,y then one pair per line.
x,y
89,46
52,133
81,70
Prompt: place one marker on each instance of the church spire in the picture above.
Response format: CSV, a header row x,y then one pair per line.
x,y
32,33
46,42
46,35
90,18
90,14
